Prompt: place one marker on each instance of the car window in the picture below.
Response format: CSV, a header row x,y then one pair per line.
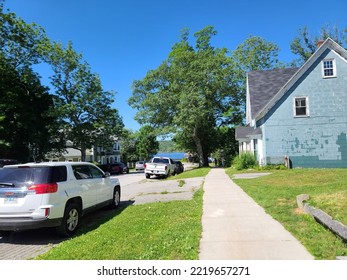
x,y
24,175
59,174
81,172
160,160
96,173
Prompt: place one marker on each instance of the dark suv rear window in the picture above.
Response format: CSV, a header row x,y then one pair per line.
x,y
38,174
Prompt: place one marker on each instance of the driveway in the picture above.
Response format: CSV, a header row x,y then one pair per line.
x,y
135,190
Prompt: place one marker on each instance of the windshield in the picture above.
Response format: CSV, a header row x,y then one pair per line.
x,y
160,160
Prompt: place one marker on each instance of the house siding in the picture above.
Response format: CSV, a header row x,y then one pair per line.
x,y
318,140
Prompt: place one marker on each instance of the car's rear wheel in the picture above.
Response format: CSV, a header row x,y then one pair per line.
x,y
148,176
71,219
116,198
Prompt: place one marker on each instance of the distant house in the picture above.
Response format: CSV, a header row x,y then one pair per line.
x,y
299,115
100,155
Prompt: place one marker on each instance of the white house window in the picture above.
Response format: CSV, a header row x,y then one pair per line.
x,y
328,67
301,107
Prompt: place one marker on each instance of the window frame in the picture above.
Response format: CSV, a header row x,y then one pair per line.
x,y
82,172
333,68
95,172
306,106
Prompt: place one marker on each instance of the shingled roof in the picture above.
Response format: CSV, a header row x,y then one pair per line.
x,y
265,84
247,132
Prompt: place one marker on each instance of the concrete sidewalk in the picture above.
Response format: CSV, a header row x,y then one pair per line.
x,y
235,227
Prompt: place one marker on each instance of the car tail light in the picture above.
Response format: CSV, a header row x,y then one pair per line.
x,y
145,165
44,188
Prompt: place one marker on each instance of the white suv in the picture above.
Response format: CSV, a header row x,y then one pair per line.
x,y
53,194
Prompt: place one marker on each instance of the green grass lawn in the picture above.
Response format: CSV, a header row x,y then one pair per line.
x,y
196,172
328,191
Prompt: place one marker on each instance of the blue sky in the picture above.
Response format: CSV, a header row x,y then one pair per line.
x,y
122,40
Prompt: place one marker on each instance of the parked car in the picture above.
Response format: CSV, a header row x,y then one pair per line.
x,y
4,162
53,194
179,168
140,165
117,168
114,168
125,168
160,166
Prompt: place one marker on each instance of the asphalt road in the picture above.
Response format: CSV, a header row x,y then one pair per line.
x,y
136,189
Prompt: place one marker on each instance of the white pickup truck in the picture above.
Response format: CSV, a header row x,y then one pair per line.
x,y
160,166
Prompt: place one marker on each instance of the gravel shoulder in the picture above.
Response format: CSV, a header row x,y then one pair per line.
x,y
154,190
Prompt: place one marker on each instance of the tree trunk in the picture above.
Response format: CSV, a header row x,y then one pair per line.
x,y
83,152
199,149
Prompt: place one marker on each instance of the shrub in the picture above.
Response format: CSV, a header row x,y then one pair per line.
x,y
273,167
244,161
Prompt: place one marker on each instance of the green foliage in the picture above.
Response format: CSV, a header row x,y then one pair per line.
x,y
272,167
188,93
193,173
305,44
255,53
22,44
245,160
27,126
34,122
128,144
226,149
83,107
147,144
167,146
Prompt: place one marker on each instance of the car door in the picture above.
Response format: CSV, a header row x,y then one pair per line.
x,y
88,191
104,191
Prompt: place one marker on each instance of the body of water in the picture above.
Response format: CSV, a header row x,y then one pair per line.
x,y
173,155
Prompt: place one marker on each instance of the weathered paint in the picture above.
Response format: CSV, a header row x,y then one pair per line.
x,y
318,140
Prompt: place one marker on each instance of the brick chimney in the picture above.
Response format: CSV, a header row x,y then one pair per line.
x,y
319,43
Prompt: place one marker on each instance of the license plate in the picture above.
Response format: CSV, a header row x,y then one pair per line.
x,y
10,200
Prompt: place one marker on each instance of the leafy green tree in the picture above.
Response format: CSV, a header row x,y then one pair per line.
x,y
22,44
190,93
147,144
167,146
83,107
128,146
27,127
255,53
305,44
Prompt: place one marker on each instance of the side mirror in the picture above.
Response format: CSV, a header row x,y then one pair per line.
x,y
107,174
